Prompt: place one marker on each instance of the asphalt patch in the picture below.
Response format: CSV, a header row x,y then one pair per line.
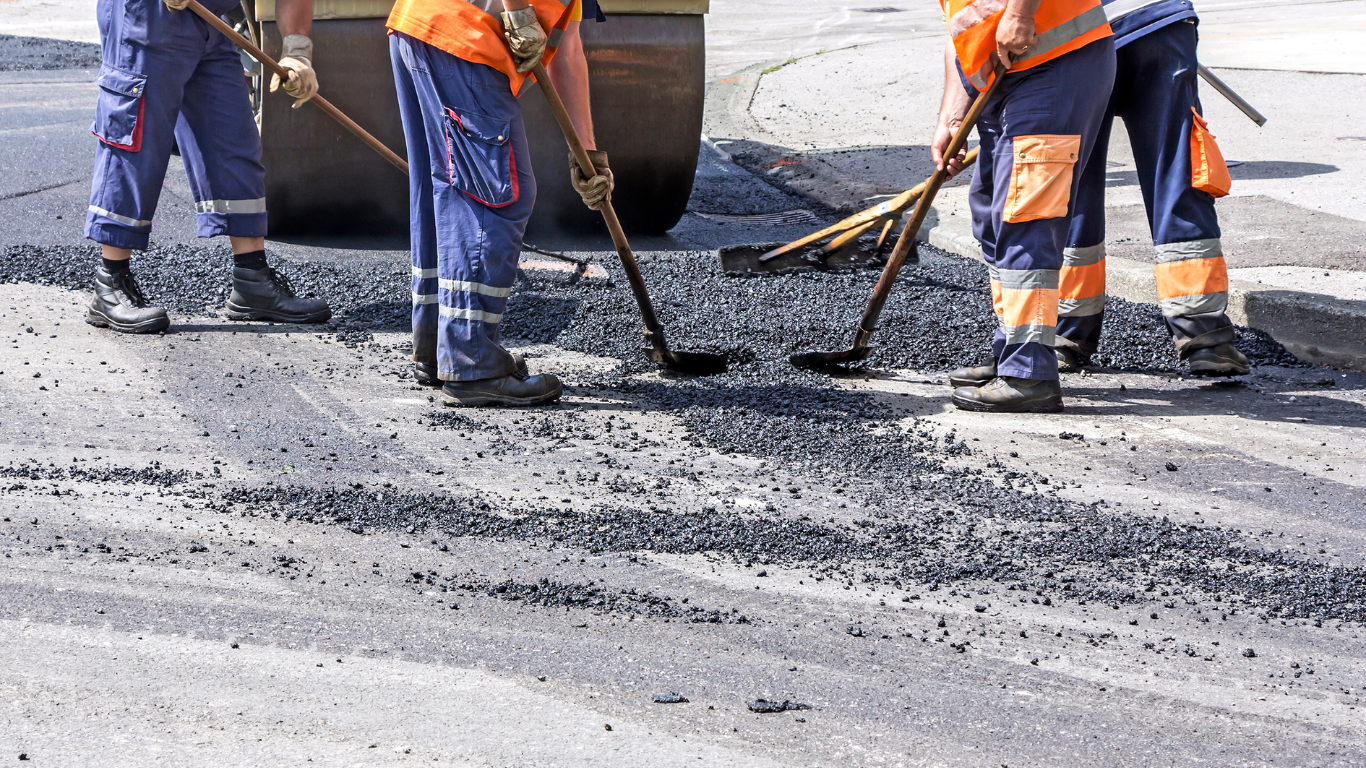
x,y
34,53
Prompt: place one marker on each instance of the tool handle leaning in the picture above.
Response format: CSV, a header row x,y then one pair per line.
x,y
274,66
922,209
893,207
609,215
1231,95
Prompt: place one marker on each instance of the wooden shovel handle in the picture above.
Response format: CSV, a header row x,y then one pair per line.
x,y
319,101
628,259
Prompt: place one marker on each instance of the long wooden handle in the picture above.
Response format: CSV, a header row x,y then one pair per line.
x,y
922,209
273,66
628,259
893,207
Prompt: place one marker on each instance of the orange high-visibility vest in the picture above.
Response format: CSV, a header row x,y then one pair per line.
x,y
1062,26
471,29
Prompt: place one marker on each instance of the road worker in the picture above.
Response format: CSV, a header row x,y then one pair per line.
x,y
459,67
167,78
1180,171
1035,132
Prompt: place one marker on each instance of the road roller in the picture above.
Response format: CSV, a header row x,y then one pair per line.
x,y
646,66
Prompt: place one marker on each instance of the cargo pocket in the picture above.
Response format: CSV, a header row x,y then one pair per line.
x,y
119,110
1041,177
479,158
1209,172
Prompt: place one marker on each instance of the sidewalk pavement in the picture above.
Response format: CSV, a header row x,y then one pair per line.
x,y
849,127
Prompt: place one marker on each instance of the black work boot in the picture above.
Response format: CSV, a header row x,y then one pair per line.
x,y
513,389
970,376
1007,394
264,294
1218,360
424,371
119,304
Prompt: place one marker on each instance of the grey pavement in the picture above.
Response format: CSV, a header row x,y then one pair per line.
x,y
121,602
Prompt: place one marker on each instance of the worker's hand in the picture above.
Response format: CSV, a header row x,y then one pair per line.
x,y
598,189
525,37
1014,35
177,5
297,58
943,136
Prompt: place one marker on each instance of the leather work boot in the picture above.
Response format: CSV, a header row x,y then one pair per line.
x,y
972,376
424,372
1218,360
513,389
1007,394
264,294
119,304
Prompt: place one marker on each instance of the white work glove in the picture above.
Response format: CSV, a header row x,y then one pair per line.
x,y
177,5
525,37
598,189
297,58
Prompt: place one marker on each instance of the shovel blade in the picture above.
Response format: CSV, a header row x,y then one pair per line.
x,y
742,260
748,259
829,359
691,363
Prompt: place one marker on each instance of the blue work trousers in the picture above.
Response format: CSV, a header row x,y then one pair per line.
x,y
470,193
1035,133
168,78
1155,92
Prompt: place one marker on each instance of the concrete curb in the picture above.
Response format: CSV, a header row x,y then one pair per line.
x,y
1314,327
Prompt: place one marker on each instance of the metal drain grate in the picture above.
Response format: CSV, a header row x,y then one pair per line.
x,y
800,216
882,9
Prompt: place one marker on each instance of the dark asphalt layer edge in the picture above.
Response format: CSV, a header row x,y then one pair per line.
x,y
1314,327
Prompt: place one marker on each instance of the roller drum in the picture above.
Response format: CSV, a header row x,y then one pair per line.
x,y
647,78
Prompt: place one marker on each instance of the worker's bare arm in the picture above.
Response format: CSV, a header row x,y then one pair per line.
x,y
952,110
294,17
569,71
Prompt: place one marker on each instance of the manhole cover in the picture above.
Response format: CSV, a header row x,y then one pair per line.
x,y
800,216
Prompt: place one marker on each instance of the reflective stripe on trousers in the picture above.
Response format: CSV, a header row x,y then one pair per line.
x,y
1081,285
1192,278
1026,304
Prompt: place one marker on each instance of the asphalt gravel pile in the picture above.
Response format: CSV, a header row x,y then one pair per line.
x,y
939,521
546,593
939,316
30,53
152,475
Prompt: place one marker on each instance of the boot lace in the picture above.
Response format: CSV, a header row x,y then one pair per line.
x,y
130,288
280,282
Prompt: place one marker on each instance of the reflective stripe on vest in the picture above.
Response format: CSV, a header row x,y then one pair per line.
x,y
1120,8
471,29
1062,26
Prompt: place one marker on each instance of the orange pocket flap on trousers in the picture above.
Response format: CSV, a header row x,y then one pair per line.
x,y
1209,172
1041,177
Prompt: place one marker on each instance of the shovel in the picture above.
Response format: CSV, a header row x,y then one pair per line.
x,y
904,246
697,363
762,258
318,101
